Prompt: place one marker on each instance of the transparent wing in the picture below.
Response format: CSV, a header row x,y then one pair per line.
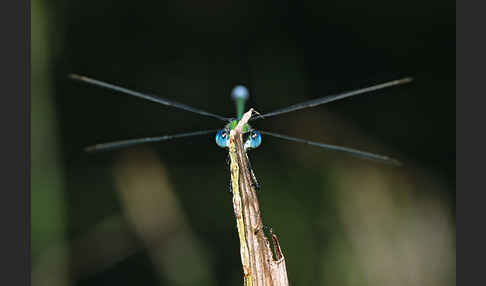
x,y
331,98
130,142
350,151
153,98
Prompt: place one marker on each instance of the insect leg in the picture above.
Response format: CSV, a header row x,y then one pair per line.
x,y
230,185
253,177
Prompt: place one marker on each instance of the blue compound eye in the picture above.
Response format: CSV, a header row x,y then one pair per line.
x,y
255,139
222,138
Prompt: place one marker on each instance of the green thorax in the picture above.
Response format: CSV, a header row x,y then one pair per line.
x,y
233,123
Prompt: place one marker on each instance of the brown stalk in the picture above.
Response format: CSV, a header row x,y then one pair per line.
x,y
259,266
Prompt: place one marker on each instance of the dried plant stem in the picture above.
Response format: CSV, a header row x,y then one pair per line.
x,y
259,266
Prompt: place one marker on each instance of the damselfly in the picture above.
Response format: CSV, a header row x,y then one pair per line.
x,y
252,137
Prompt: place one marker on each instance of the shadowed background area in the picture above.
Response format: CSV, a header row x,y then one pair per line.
x,y
161,214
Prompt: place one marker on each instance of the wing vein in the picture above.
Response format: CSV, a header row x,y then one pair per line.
x,y
130,142
350,151
153,98
330,98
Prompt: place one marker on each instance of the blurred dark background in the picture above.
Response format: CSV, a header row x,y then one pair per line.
x,y
161,214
